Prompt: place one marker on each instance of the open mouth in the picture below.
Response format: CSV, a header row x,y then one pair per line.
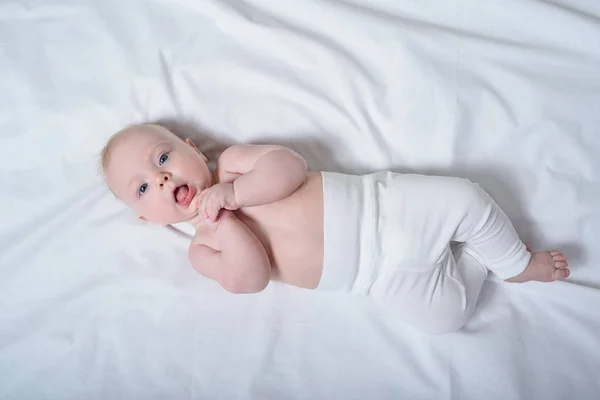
x,y
183,195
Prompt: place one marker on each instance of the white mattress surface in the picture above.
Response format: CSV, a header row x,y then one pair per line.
x,y
95,304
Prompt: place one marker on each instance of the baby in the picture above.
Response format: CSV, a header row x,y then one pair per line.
x,y
263,216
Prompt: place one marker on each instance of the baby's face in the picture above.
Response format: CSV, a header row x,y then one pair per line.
x,y
158,175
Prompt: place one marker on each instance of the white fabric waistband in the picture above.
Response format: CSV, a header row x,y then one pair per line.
x,y
350,229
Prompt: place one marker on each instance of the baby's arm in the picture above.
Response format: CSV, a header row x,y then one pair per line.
x,y
252,175
265,174
229,253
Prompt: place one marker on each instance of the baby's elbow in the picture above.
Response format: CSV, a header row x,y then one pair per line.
x,y
241,285
291,158
302,164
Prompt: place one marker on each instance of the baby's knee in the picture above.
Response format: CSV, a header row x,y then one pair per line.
x,y
439,316
444,315
472,199
470,192
437,323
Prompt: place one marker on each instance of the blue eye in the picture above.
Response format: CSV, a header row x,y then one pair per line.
x,y
143,188
163,159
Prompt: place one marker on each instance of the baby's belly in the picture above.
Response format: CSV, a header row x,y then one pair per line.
x,y
291,230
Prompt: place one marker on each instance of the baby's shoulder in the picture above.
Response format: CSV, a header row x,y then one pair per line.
x,y
237,151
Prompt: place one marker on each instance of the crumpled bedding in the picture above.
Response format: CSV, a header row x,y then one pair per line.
x,y
96,304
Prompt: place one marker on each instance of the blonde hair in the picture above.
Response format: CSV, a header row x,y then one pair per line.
x,y
106,152
110,144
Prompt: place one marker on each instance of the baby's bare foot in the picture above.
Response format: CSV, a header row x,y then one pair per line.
x,y
544,266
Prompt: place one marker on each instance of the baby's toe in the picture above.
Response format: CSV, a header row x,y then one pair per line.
x,y
560,274
560,264
559,257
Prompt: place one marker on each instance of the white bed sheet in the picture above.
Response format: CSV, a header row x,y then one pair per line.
x,y
95,304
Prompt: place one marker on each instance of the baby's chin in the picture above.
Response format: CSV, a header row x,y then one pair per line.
x,y
194,216
190,216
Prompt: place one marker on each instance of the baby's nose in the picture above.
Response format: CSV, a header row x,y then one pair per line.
x,y
163,178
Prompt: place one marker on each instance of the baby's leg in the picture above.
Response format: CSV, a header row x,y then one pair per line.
x,y
486,230
421,282
436,300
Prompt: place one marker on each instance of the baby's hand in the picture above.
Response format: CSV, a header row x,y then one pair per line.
x,y
215,198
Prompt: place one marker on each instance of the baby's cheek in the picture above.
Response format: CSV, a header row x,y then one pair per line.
x,y
156,212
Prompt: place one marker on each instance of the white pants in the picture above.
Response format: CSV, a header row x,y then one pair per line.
x,y
387,236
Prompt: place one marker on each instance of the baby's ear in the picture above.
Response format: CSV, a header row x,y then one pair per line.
x,y
191,144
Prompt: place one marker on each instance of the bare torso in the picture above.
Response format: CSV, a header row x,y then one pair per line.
x,y
291,231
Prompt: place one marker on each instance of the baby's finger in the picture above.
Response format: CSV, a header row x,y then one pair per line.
x,y
210,209
206,207
201,195
203,208
214,211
